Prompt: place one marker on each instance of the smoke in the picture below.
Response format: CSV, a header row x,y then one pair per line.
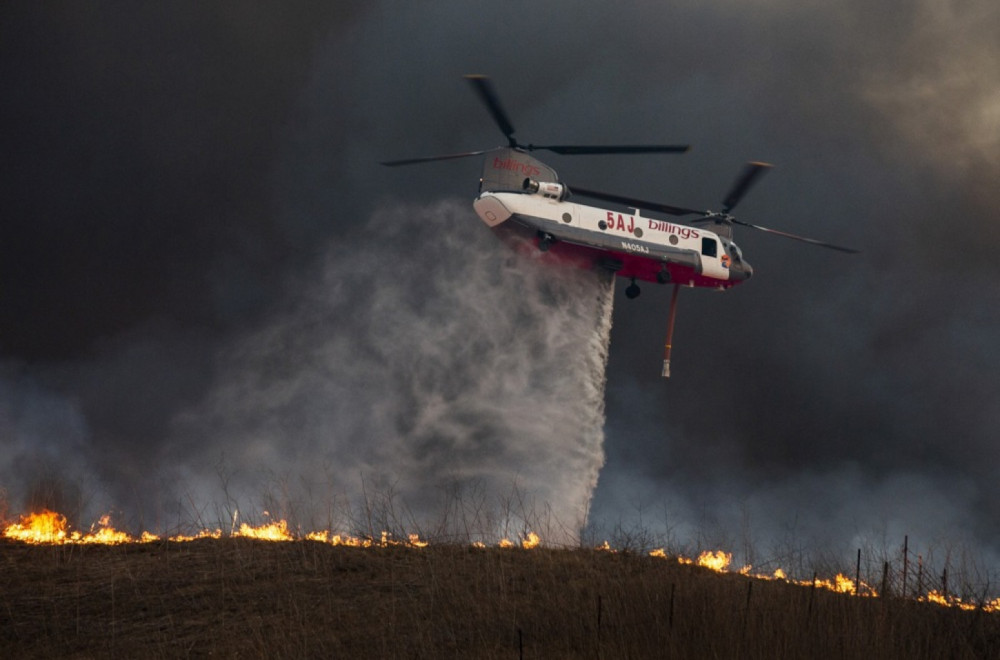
x,y
158,202
424,359
43,445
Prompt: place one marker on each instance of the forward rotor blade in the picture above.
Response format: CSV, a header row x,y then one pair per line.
x,y
571,150
750,174
484,88
633,202
429,159
839,248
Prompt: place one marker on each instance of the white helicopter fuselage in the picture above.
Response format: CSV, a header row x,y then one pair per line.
x,y
629,244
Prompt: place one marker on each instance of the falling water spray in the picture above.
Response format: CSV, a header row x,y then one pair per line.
x,y
427,359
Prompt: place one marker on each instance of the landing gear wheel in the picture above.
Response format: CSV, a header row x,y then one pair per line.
x,y
632,291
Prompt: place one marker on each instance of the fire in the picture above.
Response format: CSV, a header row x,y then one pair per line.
x,y
841,584
51,528
717,561
845,584
42,527
350,541
953,601
531,540
276,531
105,536
47,527
203,534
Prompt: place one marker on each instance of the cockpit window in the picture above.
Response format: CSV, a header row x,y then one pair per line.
x,y
709,247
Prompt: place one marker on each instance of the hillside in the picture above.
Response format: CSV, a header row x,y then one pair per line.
x,y
239,597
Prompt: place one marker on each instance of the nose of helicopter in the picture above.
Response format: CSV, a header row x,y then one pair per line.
x,y
741,272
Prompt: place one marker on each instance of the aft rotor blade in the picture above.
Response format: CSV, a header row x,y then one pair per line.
x,y
484,88
633,202
571,150
429,159
813,241
750,175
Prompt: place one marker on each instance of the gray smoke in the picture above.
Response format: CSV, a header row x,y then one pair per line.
x,y
172,171
431,359
44,457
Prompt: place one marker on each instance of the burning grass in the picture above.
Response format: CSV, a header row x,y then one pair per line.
x,y
322,595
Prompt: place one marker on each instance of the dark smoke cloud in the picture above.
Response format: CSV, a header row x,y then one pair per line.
x,y
171,174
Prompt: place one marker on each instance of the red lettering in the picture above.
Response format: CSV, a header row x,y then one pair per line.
x,y
516,166
668,228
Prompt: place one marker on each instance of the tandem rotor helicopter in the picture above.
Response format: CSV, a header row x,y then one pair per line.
x,y
521,197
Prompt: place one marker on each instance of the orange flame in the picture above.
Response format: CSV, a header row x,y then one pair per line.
x,y
276,531
954,601
203,534
42,527
531,540
51,528
717,561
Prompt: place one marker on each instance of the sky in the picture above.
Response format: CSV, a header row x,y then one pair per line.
x,y
210,288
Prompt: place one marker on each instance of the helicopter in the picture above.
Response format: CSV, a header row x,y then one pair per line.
x,y
522,198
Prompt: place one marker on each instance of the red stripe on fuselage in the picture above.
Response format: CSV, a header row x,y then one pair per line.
x,y
525,240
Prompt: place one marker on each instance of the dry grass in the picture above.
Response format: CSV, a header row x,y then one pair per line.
x,y
235,597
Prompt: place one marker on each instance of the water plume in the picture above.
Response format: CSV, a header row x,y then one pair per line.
x,y
427,358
